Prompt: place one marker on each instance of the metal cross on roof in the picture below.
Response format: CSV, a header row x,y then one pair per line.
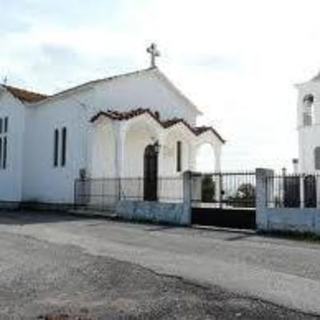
x,y
154,53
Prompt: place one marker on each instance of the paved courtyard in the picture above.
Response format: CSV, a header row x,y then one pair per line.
x,y
64,267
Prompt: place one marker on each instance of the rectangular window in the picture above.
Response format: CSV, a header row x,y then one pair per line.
x,y
0,152
179,156
56,148
3,142
64,147
6,124
317,158
4,163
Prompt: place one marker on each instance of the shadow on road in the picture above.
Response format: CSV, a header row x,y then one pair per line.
x,y
160,228
34,217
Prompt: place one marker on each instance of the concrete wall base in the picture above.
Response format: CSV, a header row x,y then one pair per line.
x,y
170,213
5,205
292,219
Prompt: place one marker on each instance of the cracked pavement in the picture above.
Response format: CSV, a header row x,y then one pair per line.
x,y
98,269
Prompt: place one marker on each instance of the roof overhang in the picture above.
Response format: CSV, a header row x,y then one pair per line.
x,y
125,116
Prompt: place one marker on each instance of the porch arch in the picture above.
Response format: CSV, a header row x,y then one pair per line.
x,y
205,158
138,133
203,149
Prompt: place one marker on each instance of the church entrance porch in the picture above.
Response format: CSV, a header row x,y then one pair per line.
x,y
136,157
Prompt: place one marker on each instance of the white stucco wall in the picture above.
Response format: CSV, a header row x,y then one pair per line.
x,y
11,177
41,180
103,149
173,135
143,91
309,136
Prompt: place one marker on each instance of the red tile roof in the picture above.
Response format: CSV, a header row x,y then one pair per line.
x,y
120,116
25,95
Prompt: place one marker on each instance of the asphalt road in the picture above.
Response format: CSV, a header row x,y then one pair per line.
x,y
98,269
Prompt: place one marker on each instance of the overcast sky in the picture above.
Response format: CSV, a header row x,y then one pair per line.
x,y
237,60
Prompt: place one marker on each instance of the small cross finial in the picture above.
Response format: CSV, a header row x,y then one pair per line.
x,y
154,53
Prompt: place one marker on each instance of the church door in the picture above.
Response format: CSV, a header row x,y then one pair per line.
x,y
150,173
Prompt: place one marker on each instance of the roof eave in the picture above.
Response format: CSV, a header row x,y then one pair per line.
x,y
150,114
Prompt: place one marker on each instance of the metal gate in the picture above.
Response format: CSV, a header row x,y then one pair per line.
x,y
224,199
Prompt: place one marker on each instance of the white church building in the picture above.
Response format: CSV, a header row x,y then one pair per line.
x,y
132,125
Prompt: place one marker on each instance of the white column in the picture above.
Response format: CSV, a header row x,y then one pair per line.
x,y
301,179
317,190
120,130
187,198
264,189
218,188
218,178
161,156
90,150
192,156
217,156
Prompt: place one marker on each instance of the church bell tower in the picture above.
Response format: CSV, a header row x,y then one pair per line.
x,y
308,124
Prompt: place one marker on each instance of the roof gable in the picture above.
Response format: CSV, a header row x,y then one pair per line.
x,y
154,71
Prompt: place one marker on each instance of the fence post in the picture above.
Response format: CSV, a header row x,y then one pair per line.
x,y
317,191
220,190
302,200
261,197
187,198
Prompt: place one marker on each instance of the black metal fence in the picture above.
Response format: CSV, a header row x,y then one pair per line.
x,y
293,191
104,193
224,190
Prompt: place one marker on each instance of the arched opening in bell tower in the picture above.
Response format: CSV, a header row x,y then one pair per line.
x,y
308,112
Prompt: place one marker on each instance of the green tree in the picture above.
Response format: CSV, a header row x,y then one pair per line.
x,y
245,196
207,189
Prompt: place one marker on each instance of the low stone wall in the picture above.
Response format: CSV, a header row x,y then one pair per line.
x,y
292,219
282,219
171,213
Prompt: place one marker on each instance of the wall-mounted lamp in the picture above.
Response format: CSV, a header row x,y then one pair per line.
x,y
157,146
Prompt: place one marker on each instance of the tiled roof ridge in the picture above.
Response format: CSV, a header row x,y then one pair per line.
x,y
126,115
25,95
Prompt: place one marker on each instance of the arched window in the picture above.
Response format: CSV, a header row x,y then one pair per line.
x,y
308,111
317,158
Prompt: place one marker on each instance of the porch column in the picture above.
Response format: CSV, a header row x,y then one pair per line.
x,y
89,149
120,130
264,189
317,191
217,156
192,157
218,178
302,200
161,155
